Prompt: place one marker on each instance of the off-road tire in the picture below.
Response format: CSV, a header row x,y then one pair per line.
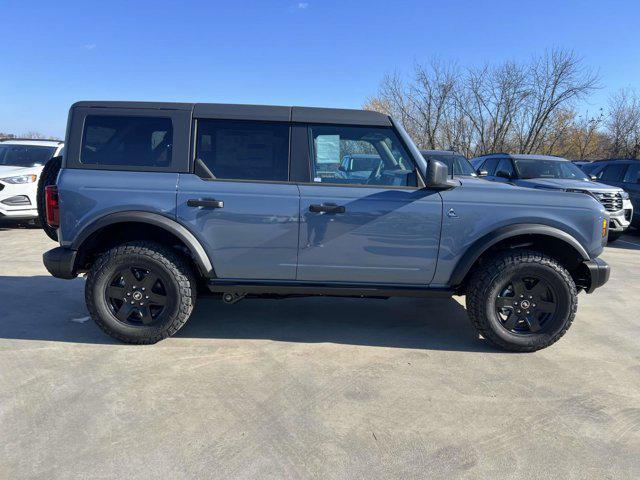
x,y
146,254
613,236
483,288
48,176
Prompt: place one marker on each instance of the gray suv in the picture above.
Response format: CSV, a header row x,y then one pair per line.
x,y
546,172
159,202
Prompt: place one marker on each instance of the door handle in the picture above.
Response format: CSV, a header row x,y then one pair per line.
x,y
327,208
205,203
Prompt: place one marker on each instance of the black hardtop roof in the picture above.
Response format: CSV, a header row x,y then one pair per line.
x,y
255,112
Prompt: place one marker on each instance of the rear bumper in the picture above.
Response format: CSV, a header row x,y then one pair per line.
x,y
598,271
60,262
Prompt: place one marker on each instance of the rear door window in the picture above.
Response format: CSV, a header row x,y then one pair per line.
x,y
633,174
243,150
127,141
612,173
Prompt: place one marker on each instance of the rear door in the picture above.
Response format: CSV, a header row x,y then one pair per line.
x,y
239,201
381,228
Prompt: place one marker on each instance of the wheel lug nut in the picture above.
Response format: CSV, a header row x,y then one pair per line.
x,y
515,303
519,311
141,304
534,305
132,303
128,294
147,296
528,312
521,296
530,297
142,288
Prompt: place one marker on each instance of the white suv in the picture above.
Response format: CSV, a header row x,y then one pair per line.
x,y
21,163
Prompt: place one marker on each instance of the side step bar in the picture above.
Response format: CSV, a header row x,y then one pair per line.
x,y
284,288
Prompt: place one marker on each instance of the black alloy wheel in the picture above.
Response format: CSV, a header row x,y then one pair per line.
x,y
526,304
137,296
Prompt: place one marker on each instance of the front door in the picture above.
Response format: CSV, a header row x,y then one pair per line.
x,y
379,227
239,202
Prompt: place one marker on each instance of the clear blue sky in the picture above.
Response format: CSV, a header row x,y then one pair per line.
x,y
313,52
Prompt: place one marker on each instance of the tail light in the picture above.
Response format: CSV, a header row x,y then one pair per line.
x,y
52,205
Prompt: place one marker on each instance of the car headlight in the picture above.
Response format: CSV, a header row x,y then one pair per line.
x,y
20,179
625,195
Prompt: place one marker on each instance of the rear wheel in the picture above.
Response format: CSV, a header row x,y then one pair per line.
x,y
522,300
48,176
140,292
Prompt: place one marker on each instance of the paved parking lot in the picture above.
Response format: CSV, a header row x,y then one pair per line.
x,y
313,388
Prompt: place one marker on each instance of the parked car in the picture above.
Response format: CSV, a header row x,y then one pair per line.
x,y
455,162
555,173
156,199
21,162
622,173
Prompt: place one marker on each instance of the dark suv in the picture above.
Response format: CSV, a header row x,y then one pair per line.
x,y
156,201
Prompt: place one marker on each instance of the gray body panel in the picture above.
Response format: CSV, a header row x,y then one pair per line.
x,y
384,236
483,207
255,235
88,195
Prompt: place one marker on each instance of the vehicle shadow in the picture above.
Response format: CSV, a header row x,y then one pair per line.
x,y
49,309
626,242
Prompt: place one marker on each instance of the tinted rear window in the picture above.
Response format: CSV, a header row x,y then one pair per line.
x,y
244,150
127,141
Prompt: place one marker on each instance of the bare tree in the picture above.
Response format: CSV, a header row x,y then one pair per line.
x,y
555,80
623,124
511,106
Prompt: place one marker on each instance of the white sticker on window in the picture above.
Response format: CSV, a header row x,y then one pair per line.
x,y
327,149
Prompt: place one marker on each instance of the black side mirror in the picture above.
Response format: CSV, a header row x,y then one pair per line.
x,y
482,173
437,175
342,168
503,174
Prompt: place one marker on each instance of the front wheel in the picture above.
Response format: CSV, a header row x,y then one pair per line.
x,y
140,292
522,300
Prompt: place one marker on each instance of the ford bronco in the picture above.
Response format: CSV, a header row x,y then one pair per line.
x,y
158,201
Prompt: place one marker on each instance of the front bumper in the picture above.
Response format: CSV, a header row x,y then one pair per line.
x,y
621,219
597,274
18,201
60,262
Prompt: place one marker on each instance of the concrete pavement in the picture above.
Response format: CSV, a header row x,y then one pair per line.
x,y
313,388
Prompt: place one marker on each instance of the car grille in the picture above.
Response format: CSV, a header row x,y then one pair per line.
x,y
612,201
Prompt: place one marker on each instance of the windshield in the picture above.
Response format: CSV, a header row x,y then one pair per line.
x,y
539,168
458,163
25,155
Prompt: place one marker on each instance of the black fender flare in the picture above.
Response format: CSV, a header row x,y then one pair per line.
x,y
198,252
487,241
